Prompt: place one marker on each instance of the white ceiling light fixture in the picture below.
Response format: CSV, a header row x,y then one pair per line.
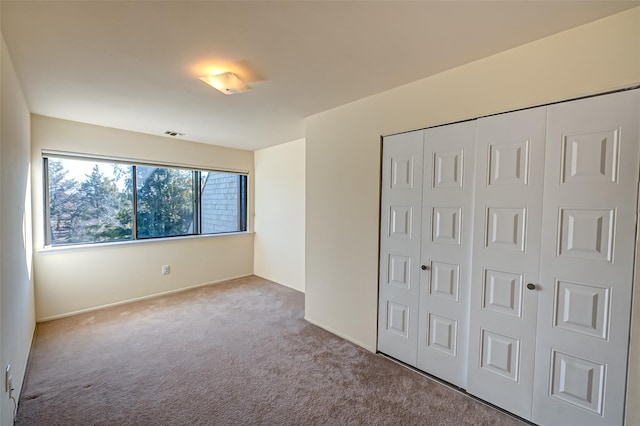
x,y
227,82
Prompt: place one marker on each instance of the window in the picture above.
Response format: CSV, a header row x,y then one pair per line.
x,y
93,201
164,202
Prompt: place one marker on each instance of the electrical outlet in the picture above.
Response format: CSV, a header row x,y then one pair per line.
x,y
8,380
166,269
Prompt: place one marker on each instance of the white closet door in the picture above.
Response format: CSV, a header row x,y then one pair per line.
x,y
507,226
400,216
589,227
446,251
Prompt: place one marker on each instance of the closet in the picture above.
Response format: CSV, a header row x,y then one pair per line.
x,y
507,249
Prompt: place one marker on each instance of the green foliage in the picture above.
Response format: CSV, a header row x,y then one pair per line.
x,y
165,202
63,201
100,207
94,210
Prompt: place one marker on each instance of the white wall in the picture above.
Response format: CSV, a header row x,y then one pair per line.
x,y
17,318
279,240
71,280
343,154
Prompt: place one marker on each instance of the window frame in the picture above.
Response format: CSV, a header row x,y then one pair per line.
x,y
196,198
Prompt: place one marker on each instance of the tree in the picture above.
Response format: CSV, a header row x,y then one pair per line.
x,y
124,176
100,207
63,202
165,201
103,209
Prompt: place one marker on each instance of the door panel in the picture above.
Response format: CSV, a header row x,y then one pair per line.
x,y
506,250
400,233
446,251
588,246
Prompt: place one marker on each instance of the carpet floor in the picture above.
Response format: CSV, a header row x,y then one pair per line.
x,y
238,353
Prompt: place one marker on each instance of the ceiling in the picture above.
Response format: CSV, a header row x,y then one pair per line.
x,y
134,64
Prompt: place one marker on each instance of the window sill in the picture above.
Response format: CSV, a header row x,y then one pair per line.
x,y
94,246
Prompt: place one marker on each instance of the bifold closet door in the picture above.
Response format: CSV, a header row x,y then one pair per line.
x,y
447,219
548,223
506,251
400,221
587,260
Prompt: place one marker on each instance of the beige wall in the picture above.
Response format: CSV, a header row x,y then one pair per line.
x,y
279,238
343,154
17,318
70,280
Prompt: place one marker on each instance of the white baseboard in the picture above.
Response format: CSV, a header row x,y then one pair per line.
x,y
21,375
340,334
136,299
278,282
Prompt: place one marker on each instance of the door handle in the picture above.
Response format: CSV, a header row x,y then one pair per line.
x,y
531,286
425,268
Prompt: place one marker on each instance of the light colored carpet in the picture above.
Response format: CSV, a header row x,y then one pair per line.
x,y
238,353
